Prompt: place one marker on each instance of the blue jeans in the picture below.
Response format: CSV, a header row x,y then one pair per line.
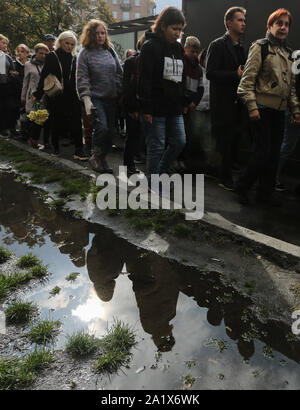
x,y
165,139
290,139
104,127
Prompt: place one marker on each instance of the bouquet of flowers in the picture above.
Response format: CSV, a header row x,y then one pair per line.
x,y
39,115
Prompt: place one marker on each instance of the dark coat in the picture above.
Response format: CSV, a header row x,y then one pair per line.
x,y
130,83
68,100
221,69
158,95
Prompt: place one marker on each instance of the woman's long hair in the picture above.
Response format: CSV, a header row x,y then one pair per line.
x,y
168,17
88,36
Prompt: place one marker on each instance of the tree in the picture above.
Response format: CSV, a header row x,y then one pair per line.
x,y
27,21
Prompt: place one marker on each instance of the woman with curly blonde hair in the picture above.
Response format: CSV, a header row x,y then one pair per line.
x,y
99,83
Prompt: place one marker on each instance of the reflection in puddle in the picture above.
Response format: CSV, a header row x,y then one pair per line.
x,y
185,314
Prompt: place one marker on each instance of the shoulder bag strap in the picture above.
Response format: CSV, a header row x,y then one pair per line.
x,y
62,76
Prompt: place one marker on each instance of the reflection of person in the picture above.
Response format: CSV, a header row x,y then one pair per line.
x,y
156,296
104,264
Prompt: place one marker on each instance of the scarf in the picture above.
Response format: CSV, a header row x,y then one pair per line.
x,y
276,41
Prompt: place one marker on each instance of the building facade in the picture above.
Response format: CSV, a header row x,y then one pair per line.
x,y
124,10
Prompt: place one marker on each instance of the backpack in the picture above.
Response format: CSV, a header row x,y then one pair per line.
x,y
264,48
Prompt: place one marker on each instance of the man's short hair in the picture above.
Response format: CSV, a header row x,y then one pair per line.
x,y
229,15
192,42
49,37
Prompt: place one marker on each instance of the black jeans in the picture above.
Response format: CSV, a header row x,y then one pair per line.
x,y
263,162
62,123
227,134
132,142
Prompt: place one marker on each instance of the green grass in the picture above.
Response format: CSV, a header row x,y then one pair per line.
x,y
116,348
17,279
37,271
20,312
82,344
28,261
4,255
189,380
220,344
16,373
182,230
72,277
55,291
44,331
38,359
58,203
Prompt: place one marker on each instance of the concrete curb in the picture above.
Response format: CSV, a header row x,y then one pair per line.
x,y
284,253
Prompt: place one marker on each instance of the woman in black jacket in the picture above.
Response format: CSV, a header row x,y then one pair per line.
x,y
65,108
161,91
8,75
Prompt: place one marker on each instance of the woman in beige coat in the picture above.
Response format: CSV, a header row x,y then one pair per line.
x,y
267,86
32,75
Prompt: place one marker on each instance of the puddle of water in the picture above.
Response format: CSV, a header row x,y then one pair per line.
x,y
201,327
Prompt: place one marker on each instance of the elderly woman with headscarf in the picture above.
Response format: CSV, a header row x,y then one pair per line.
x,y
65,108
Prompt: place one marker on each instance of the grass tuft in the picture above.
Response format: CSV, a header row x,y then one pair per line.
x,y
16,373
20,312
27,261
44,331
116,348
4,255
72,277
82,344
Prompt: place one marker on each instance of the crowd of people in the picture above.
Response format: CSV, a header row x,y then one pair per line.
x,y
172,98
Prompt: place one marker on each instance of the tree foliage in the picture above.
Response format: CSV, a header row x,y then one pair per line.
x,y
27,21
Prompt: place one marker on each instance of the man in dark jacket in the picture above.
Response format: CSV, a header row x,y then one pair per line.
x,y
225,59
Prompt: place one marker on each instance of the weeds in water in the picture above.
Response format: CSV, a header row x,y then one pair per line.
x,y
4,255
20,312
116,348
55,291
82,344
190,363
220,344
44,331
188,381
27,261
72,277
17,279
38,271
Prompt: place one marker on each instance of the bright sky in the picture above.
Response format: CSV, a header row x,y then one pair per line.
x,y
161,4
